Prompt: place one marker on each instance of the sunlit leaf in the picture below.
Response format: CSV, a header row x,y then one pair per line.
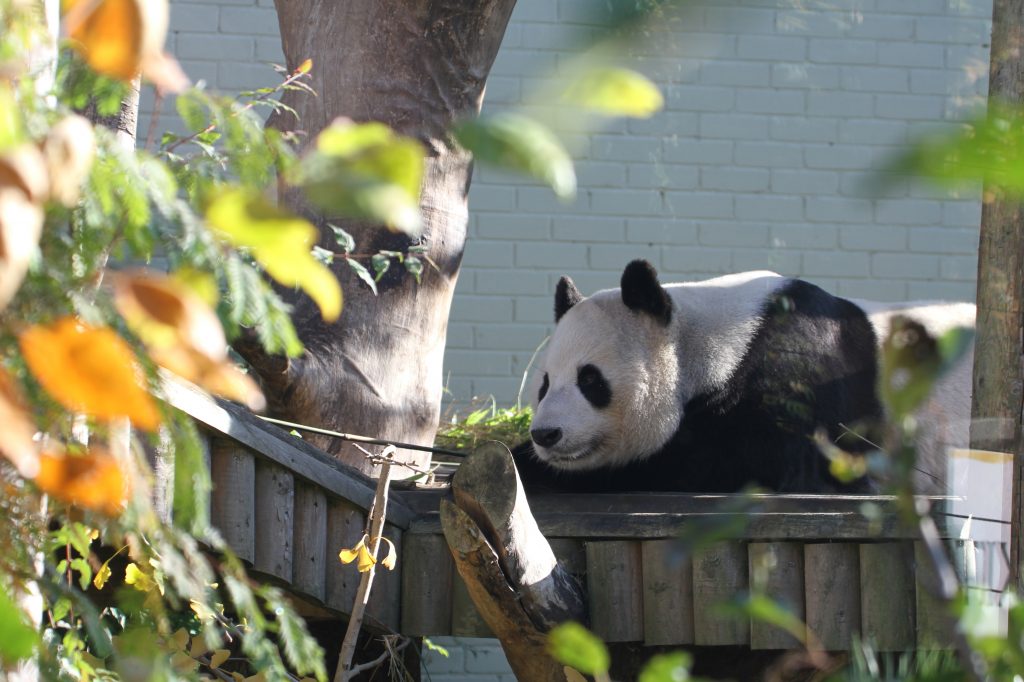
x,y
18,639
615,92
365,170
90,370
69,149
572,644
910,365
363,274
349,554
519,143
391,560
139,579
24,168
182,334
103,574
360,554
92,480
280,242
758,607
305,67
671,667
117,37
16,442
218,657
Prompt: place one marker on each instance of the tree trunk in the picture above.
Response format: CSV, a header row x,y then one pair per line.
x,y
998,361
416,65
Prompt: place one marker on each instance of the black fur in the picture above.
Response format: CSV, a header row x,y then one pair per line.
x,y
642,292
566,296
594,386
810,367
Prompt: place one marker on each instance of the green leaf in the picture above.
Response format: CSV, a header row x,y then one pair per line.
x,y
380,263
671,667
572,644
280,242
365,171
911,363
414,266
191,506
766,610
363,274
192,108
323,255
427,642
953,345
519,143
18,639
615,92
344,240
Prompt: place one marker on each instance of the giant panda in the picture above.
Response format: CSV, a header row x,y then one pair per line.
x,y
709,386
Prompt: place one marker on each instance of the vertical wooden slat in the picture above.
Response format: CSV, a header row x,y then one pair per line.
x,y
275,505
571,554
777,571
615,588
426,585
719,574
668,594
232,503
934,623
386,592
310,540
466,620
832,593
887,595
345,525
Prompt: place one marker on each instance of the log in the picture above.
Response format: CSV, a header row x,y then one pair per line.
x,y
777,571
832,593
719,574
488,488
498,603
668,594
615,588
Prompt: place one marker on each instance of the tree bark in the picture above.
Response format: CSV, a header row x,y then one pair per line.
x,y
998,361
415,65
511,574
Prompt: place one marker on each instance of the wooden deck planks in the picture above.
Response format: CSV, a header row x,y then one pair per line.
x,y
667,593
776,571
719,575
615,589
832,593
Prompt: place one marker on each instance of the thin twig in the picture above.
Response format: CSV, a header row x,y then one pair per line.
x,y
296,75
376,525
370,665
360,439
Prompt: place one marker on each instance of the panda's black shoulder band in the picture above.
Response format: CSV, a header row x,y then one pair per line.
x,y
642,292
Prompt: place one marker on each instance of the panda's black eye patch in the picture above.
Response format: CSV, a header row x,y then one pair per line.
x,y
543,388
594,386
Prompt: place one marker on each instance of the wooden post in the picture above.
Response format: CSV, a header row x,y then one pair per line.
x,y
998,364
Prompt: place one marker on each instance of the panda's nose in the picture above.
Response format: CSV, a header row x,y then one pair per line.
x,y
546,437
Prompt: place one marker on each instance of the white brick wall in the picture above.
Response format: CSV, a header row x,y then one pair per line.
x,y
777,113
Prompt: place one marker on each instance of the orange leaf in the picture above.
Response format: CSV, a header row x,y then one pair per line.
x,y
93,480
116,36
305,67
182,334
88,370
16,442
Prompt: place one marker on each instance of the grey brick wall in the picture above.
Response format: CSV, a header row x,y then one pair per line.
x,y
777,114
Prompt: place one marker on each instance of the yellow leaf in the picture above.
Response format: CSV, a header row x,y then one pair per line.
x,y
183,663
182,334
306,66
90,370
218,657
391,559
573,675
69,149
238,677
198,647
280,241
16,442
347,556
92,480
135,577
366,560
116,36
102,576
616,92
179,640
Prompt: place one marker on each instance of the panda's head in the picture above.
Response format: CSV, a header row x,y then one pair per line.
x,y
606,391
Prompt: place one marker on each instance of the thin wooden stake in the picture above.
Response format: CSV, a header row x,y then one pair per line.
x,y
375,526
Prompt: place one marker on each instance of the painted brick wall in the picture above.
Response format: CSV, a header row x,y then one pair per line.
x,y
777,111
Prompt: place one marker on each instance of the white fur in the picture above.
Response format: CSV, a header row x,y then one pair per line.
x,y
645,363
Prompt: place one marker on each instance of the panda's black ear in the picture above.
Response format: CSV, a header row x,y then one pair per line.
x,y
642,292
566,296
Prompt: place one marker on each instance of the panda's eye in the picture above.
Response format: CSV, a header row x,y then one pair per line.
x,y
543,388
593,386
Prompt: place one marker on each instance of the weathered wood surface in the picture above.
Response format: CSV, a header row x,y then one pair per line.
x,y
777,571
832,593
466,619
668,593
233,500
276,445
345,525
426,585
274,530
385,602
934,622
887,595
309,569
666,515
719,575
615,590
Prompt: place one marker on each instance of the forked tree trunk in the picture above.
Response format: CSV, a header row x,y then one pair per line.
x,y
999,357
416,65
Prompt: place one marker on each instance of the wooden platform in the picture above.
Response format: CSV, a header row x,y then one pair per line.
x,y
842,564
